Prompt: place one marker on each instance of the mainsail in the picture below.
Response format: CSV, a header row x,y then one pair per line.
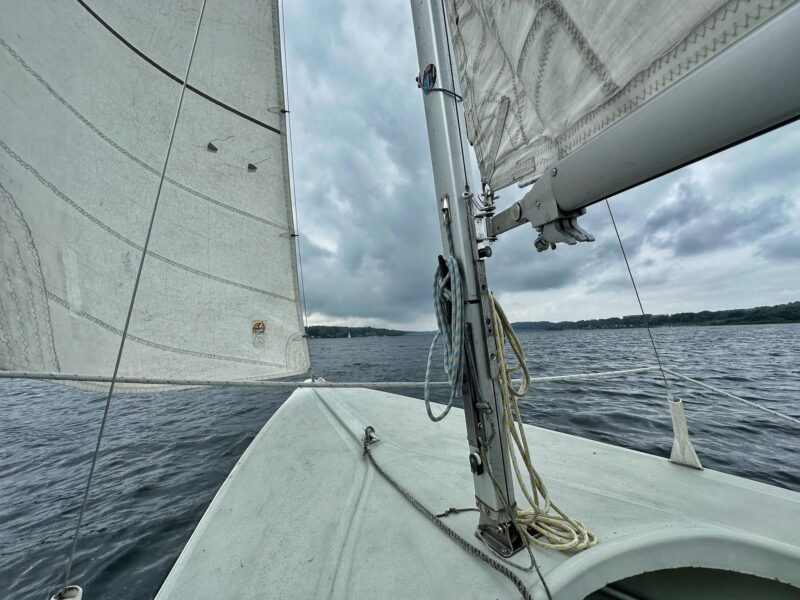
x,y
89,94
542,78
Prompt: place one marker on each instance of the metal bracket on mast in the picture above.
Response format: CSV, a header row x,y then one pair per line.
x,y
539,208
488,455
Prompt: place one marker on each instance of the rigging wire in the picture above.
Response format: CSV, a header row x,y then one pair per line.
x,y
366,444
51,539
639,300
68,570
290,152
272,383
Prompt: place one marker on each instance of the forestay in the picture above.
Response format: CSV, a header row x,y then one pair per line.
x,y
541,78
90,94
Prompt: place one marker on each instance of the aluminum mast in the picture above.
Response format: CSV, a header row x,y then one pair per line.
x,y
484,428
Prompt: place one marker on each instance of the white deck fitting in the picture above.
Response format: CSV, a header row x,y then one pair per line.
x,y
304,515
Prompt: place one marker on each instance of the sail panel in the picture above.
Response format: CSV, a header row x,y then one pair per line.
x,y
85,130
230,48
540,79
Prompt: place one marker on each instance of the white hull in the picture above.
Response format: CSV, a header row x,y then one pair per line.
x,y
304,515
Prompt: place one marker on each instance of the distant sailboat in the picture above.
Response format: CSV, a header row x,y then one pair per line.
x,y
148,235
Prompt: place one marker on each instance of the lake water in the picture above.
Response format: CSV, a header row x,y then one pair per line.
x,y
165,454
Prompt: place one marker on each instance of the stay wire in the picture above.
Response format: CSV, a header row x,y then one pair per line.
x,y
290,152
639,300
68,570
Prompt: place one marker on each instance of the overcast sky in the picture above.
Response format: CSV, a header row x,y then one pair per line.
x,y
723,233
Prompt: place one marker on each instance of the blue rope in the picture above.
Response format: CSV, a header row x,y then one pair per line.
x,y
449,306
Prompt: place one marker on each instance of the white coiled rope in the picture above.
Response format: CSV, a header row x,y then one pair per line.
x,y
558,531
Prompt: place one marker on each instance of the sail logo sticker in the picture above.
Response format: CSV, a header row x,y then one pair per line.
x,y
259,327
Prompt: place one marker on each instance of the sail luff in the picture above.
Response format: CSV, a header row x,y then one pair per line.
x,y
288,182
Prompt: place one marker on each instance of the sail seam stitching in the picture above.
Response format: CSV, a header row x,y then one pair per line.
x,y
171,75
37,263
30,168
282,79
731,21
157,345
562,17
572,137
43,82
25,347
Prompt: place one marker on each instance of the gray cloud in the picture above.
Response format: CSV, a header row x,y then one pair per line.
x,y
693,223
363,172
782,247
369,231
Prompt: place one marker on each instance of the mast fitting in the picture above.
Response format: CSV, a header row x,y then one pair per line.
x,y
540,208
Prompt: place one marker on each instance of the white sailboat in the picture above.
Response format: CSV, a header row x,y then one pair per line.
x,y
119,267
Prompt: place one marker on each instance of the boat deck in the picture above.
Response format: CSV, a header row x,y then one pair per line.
x,y
304,515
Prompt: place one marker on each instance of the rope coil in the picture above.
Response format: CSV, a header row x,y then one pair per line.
x,y
558,530
449,306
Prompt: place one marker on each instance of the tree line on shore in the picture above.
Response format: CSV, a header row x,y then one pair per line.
x,y
333,331
780,313
760,315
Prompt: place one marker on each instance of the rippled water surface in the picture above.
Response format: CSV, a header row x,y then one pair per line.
x,y
165,454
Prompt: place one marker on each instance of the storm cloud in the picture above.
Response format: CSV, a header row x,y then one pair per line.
x,y
722,233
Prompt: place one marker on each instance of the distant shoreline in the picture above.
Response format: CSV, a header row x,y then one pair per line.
x,y
335,331
760,315
558,327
